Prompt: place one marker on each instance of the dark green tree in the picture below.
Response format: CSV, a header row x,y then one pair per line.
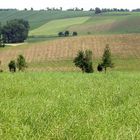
x,y
97,10
60,34
1,37
67,33
100,67
12,66
15,31
21,63
74,34
2,44
106,59
83,60
0,67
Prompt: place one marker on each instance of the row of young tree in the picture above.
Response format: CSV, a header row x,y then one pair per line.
x,y
67,33
19,63
84,61
15,31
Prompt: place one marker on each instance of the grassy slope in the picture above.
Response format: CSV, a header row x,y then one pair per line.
x,y
101,24
55,26
38,18
70,106
110,24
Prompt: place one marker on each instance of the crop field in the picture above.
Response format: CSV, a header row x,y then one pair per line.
x,y
55,26
106,23
70,106
110,24
57,55
103,24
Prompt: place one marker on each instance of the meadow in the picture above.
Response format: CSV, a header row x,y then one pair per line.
x,y
70,106
55,26
39,18
53,99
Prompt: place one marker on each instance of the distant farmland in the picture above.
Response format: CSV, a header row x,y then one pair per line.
x,y
106,23
39,18
44,55
46,52
55,26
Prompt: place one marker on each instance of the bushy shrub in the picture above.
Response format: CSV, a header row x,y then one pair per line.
x,y
67,33
12,66
74,34
83,60
61,34
100,67
21,63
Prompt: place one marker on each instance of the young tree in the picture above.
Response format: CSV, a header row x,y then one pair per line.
x,y
61,34
88,62
67,33
106,59
100,67
74,34
32,9
12,66
21,63
0,67
84,61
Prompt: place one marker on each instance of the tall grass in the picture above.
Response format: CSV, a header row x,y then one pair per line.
x,y
70,106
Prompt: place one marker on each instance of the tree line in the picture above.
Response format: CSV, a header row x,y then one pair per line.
x,y
15,31
67,33
76,9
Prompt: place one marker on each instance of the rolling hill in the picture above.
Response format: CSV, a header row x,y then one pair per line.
x,y
57,55
55,26
119,30
105,23
39,18
95,24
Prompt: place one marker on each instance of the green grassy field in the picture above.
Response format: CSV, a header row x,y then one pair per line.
x,y
70,106
56,26
39,18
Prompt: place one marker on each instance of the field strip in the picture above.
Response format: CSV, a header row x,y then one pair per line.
x,y
55,26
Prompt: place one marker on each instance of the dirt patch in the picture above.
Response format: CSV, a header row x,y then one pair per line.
x,y
15,44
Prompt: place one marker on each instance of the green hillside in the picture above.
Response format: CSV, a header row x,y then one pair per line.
x,y
38,18
105,23
110,24
55,26
121,23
